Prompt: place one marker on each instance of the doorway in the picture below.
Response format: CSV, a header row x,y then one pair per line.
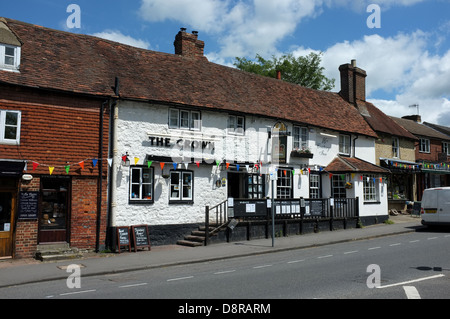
x,y
54,215
7,209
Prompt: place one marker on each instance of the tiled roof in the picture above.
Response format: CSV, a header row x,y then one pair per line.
x,y
419,129
380,122
71,62
342,164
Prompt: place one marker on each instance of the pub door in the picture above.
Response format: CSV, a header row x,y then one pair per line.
x,y
7,212
54,210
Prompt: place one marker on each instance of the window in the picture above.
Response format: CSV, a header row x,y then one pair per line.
x,y
284,183
141,184
255,185
236,125
184,119
181,186
395,147
10,127
370,189
314,186
338,185
301,137
424,146
9,57
344,144
446,148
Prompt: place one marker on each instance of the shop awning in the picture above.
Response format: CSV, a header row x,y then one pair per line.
x,y
396,165
11,168
342,164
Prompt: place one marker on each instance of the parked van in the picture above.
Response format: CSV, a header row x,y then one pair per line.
x,y
435,208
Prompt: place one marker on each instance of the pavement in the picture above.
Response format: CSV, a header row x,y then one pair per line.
x,y
24,271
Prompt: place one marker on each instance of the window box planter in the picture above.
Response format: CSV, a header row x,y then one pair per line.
x,y
301,154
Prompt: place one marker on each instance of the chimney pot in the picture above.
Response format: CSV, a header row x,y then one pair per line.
x,y
278,75
354,63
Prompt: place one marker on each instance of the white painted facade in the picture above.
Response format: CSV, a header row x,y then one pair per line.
x,y
142,129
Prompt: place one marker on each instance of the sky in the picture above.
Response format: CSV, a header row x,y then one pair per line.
x,y
403,45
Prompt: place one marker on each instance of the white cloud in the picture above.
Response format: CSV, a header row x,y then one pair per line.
x,y
117,36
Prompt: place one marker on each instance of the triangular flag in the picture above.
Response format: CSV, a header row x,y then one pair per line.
x,y
186,165
247,167
110,162
175,166
51,169
331,175
81,164
35,165
162,165
237,166
284,171
293,172
198,164
67,167
217,163
228,165
136,160
124,158
149,163
94,162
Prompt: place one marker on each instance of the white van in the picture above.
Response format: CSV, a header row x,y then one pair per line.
x,y
435,208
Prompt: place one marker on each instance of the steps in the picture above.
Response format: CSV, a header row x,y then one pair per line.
x,y
196,238
54,252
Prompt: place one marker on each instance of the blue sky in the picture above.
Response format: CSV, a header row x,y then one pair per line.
x,y
407,59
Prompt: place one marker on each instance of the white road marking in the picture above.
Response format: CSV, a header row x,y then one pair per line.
x,y
378,247
327,256
263,266
350,252
134,285
396,244
411,281
77,292
295,261
180,278
414,241
430,238
411,292
224,272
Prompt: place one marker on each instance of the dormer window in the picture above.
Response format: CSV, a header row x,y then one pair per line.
x,y
9,57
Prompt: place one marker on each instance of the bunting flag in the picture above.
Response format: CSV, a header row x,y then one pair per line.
x,y
331,175
124,158
228,165
94,162
217,163
162,165
247,167
50,168
136,160
110,160
35,165
186,165
149,163
81,164
175,166
237,167
198,164
67,167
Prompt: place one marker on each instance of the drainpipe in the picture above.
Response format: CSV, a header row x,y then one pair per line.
x,y
354,145
100,177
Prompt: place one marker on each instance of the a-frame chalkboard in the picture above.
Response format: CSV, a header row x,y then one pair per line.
x,y
141,237
123,237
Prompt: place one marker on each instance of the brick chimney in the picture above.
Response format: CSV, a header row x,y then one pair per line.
x,y
353,82
188,45
416,118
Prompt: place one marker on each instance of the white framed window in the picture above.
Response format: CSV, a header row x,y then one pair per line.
x,y
370,188
185,119
10,127
446,148
9,57
284,183
338,185
301,137
424,146
141,184
181,186
236,125
314,186
395,147
344,144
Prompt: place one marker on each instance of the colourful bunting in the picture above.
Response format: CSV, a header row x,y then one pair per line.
x,y
162,165
94,162
67,167
81,164
35,165
50,168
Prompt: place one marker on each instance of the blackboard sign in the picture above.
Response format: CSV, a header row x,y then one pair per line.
x,y
316,207
417,208
28,205
123,237
141,237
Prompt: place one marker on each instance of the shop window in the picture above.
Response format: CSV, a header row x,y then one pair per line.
x,y
55,204
255,186
181,187
314,186
370,188
284,183
141,184
10,127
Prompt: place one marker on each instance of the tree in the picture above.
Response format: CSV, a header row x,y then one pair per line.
x,y
304,70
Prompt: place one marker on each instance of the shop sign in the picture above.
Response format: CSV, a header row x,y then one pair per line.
x,y
28,205
181,143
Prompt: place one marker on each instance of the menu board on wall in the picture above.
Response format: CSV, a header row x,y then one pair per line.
x,y
28,205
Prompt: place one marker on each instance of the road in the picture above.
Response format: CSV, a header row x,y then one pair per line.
x,y
414,265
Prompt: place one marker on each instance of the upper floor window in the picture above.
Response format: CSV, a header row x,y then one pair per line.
x,y
446,148
395,147
185,119
10,127
9,57
301,137
236,125
344,144
424,146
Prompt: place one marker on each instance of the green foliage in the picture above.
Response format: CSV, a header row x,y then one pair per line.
x,y
304,70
